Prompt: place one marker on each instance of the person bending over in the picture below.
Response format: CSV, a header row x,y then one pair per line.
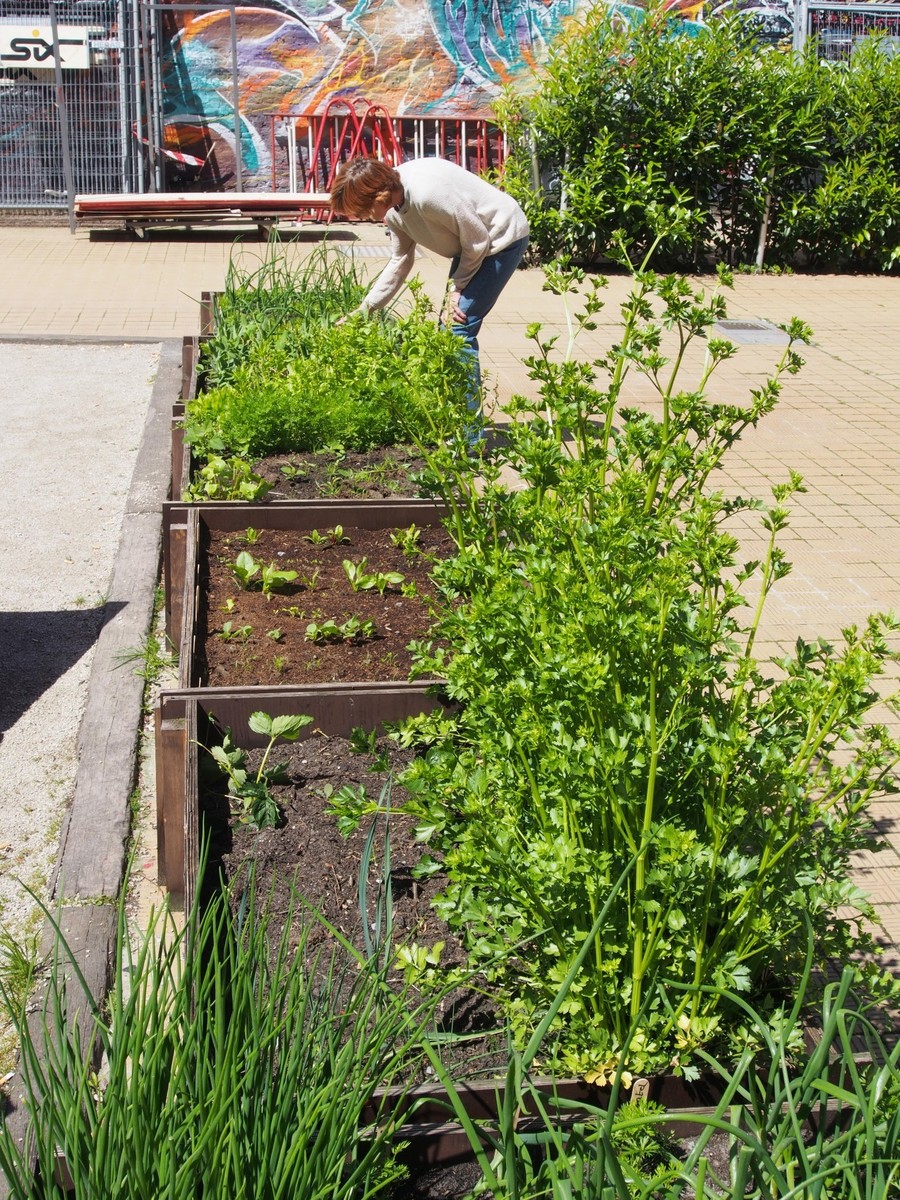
x,y
436,204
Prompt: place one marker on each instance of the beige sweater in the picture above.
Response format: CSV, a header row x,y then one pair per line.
x,y
450,211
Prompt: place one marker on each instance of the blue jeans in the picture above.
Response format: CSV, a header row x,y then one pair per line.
x,y
477,299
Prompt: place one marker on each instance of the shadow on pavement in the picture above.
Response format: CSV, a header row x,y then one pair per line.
x,y
37,648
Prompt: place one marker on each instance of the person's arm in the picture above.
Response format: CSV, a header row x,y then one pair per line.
x,y
394,275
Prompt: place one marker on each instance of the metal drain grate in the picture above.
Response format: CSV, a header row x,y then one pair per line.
x,y
366,251
753,331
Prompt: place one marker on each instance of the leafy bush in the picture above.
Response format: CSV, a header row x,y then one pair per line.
x,y
628,121
613,709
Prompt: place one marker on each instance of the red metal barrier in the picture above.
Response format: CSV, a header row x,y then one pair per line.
x,y
307,148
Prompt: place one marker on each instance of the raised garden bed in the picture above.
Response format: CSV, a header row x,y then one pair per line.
x,y
328,877
182,721
337,707
184,526
315,625
324,474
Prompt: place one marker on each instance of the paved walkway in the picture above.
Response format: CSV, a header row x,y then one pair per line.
x,y
838,422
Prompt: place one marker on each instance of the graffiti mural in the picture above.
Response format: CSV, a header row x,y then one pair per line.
x,y
414,58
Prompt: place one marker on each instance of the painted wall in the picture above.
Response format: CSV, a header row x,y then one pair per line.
x,y
413,57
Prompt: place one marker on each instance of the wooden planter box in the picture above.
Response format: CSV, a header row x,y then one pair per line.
x,y
337,708
183,718
184,524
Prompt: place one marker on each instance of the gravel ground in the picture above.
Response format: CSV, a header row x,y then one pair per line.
x,y
73,416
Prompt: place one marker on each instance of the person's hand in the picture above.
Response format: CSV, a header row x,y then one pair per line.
x,y
356,312
456,313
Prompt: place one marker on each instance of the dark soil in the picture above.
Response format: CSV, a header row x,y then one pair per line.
x,y
307,856
344,474
247,637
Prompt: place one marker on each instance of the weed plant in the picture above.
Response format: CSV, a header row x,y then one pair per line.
x,y
234,1064
599,637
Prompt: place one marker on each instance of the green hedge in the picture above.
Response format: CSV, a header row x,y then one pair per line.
x,y
630,123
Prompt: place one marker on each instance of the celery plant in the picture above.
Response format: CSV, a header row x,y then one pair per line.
x,y
611,704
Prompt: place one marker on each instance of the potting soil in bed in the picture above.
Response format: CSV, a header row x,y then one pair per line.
x,y
249,637
346,474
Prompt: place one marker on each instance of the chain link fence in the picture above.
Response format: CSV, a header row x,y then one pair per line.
x,y
63,128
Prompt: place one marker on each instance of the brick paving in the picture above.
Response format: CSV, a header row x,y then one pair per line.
x,y
837,423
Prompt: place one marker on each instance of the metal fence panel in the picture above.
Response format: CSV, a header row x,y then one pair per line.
x,y
840,28
32,174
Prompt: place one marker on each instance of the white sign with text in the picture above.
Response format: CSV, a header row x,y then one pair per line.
x,y
32,46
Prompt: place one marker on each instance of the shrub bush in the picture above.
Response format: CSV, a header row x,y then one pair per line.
x,y
627,122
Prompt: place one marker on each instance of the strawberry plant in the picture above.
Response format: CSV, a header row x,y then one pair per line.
x,y
252,793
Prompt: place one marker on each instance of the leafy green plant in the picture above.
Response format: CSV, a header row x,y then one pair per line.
x,y
235,633
253,792
597,637
348,805
825,1123
352,630
231,478
408,540
292,610
362,580
363,741
331,537
418,963
312,384
246,569
251,536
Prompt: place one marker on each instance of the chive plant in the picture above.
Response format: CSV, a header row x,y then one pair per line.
x,y
262,302
234,1064
598,635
